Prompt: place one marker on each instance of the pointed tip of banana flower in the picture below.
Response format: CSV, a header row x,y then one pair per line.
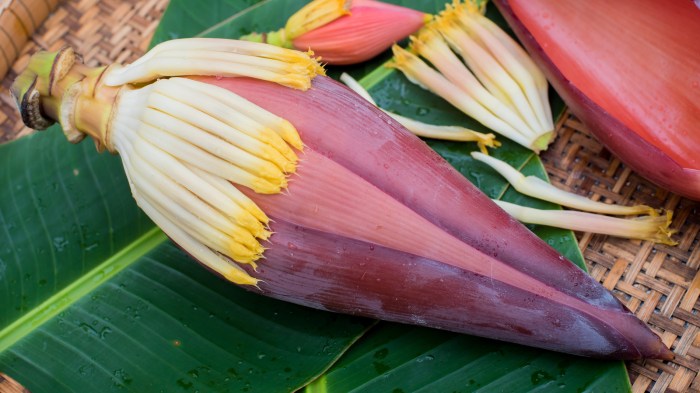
x,y
600,68
371,28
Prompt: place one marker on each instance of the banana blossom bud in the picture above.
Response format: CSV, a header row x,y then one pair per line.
x,y
345,31
373,221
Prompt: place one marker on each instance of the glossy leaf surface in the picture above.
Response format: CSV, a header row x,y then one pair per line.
x,y
166,323
399,358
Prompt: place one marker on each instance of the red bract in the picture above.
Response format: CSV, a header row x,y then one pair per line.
x,y
629,71
375,223
370,28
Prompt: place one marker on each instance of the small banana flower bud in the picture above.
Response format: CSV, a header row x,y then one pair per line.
x,y
346,31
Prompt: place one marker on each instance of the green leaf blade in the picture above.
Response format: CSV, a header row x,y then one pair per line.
x,y
184,19
400,358
60,219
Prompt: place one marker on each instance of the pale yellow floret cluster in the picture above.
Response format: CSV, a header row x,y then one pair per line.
x,y
220,57
495,81
650,226
188,146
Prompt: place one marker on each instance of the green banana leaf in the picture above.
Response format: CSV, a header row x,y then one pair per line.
x,y
94,298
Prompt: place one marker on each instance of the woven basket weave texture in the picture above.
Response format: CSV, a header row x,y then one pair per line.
x,y
660,284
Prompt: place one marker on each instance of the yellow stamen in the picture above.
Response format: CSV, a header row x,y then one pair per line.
x,y
433,47
448,133
201,252
195,226
523,58
218,106
654,228
226,45
490,71
529,79
254,113
471,7
251,119
217,216
204,121
540,189
200,230
193,136
502,87
234,194
179,151
183,180
200,56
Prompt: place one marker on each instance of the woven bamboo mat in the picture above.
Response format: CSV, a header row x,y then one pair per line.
x,y
660,284
101,31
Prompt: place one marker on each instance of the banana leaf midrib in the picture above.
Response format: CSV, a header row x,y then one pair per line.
x,y
79,288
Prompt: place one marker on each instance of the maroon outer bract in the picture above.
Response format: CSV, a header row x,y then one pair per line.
x,y
376,224
647,159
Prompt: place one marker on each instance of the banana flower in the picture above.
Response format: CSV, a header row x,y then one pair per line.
x,y
288,183
345,31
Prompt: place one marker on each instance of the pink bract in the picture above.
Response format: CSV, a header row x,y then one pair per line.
x,y
371,28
